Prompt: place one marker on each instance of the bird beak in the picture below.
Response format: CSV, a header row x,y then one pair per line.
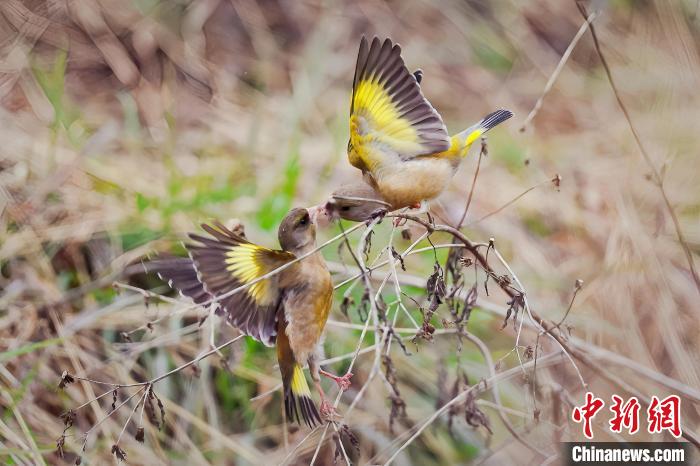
x,y
319,216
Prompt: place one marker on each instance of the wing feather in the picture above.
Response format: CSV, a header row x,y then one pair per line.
x,y
225,261
389,116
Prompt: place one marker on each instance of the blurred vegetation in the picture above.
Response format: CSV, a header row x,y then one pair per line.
x,y
126,124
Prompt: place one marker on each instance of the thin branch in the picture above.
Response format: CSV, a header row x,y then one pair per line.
x,y
559,68
484,350
167,374
471,190
577,288
479,387
509,203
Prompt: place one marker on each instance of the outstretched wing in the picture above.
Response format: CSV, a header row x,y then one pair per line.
x,y
389,117
226,261
180,274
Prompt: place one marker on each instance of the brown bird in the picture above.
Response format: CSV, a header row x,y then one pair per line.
x,y
289,309
397,139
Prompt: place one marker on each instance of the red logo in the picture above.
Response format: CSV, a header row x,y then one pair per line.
x,y
587,412
626,415
665,415
662,415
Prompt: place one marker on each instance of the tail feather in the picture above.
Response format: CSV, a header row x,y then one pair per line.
x,y
466,138
494,119
297,397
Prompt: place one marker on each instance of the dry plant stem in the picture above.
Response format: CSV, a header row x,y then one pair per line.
x,y
509,203
318,447
471,189
141,401
342,447
656,176
167,374
568,309
298,445
116,408
479,387
484,350
559,68
577,346
408,252
546,326
529,312
481,259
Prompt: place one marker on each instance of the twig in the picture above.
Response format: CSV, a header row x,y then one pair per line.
x,y
577,288
484,350
141,401
479,387
559,67
167,374
509,203
471,189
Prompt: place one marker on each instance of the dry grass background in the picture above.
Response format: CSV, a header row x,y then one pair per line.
x,y
125,124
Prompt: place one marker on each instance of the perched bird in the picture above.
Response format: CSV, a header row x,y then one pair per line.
x,y
397,138
289,309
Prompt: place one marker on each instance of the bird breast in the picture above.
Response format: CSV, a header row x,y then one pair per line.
x,y
409,182
307,304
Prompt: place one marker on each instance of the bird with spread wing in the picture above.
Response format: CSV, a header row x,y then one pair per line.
x,y
288,309
397,138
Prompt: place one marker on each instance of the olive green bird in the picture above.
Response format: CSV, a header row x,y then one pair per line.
x,y
397,139
288,310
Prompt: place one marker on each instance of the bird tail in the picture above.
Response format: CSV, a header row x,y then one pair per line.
x,y
297,397
461,142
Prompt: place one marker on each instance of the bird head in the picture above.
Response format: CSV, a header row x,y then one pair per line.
x,y
297,231
356,202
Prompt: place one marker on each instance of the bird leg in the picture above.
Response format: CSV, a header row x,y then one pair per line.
x,y
342,381
326,409
400,221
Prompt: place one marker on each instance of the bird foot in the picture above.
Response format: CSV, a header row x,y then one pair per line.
x,y
399,221
328,411
342,381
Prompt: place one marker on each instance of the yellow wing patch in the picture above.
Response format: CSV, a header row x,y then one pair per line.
x,y
245,264
390,120
374,102
226,261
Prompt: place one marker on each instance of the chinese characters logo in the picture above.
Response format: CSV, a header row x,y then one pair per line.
x,y
662,415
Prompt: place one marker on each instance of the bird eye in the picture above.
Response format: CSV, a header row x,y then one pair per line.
x,y
304,220
345,208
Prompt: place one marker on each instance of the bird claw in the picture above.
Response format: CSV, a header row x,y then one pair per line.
x,y
344,381
399,221
328,411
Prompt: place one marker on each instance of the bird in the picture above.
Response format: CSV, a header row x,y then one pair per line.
x,y
397,139
288,309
